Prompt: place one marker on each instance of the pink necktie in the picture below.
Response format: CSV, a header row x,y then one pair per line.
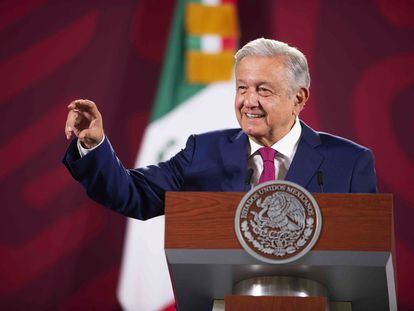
x,y
268,156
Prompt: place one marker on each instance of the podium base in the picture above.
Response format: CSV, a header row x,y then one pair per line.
x,y
280,286
219,305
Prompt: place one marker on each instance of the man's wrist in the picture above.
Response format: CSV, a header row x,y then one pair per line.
x,y
84,151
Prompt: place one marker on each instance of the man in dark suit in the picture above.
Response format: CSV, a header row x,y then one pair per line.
x,y
272,87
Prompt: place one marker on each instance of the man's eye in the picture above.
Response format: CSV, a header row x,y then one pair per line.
x,y
264,92
241,88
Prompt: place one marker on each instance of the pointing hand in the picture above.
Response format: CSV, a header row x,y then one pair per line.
x,y
85,122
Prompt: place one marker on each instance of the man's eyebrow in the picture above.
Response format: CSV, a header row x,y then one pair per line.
x,y
265,83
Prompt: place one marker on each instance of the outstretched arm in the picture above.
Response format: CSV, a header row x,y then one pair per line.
x,y
136,193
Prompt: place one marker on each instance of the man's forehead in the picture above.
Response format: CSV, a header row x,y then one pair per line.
x,y
260,69
261,64
276,59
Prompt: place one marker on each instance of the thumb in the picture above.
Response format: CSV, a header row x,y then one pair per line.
x,y
85,134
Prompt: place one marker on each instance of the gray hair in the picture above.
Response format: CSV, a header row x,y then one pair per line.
x,y
295,61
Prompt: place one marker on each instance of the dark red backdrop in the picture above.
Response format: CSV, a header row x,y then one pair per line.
x,y
60,251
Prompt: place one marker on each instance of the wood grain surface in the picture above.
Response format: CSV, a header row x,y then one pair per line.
x,y
272,303
205,220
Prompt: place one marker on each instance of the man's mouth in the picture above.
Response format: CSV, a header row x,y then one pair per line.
x,y
254,116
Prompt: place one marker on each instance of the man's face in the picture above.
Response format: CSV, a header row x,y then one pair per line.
x,y
265,107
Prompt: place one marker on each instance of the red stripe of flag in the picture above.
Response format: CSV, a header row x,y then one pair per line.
x,y
229,2
229,43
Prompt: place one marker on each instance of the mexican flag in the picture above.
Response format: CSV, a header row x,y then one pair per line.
x,y
195,95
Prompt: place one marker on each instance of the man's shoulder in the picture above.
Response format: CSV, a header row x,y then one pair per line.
x,y
331,141
230,134
334,140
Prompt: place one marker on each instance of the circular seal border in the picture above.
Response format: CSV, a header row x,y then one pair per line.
x,y
254,254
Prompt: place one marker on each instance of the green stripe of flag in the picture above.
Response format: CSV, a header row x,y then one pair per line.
x,y
193,43
172,87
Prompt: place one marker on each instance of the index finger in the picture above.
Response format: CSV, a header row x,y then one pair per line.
x,y
84,105
70,123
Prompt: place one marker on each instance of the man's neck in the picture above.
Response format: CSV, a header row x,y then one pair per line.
x,y
270,141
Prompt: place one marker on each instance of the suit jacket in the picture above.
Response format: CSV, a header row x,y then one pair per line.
x,y
216,161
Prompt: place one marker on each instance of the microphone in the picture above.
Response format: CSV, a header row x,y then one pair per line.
x,y
248,176
319,177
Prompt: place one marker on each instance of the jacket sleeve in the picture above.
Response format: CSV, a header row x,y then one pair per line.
x,y
137,193
364,179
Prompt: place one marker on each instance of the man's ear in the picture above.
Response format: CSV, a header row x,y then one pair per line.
x,y
301,97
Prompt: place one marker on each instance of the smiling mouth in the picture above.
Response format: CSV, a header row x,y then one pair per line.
x,y
254,116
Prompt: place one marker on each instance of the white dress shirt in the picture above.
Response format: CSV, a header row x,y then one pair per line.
x,y
83,151
285,151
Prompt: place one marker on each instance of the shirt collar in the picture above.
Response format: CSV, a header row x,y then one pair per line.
x,y
286,145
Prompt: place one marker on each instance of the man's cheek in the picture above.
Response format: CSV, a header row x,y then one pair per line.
x,y
237,102
238,108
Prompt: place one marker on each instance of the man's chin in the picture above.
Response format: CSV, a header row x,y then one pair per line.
x,y
253,133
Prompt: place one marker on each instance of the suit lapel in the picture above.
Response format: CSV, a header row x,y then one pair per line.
x,y
307,159
305,164
235,154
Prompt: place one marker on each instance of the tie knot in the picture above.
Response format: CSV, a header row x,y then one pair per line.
x,y
267,154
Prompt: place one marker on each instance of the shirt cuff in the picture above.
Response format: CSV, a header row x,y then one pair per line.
x,y
83,151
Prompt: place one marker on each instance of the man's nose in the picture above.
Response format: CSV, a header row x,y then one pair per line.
x,y
251,99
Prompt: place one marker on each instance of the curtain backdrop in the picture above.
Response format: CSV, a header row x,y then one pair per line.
x,y
59,250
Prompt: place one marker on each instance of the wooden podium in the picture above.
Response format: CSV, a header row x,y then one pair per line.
x,y
353,258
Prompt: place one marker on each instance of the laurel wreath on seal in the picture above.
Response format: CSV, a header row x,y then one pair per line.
x,y
281,226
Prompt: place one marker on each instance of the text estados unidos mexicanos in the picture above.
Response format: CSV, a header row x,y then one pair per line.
x,y
297,193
